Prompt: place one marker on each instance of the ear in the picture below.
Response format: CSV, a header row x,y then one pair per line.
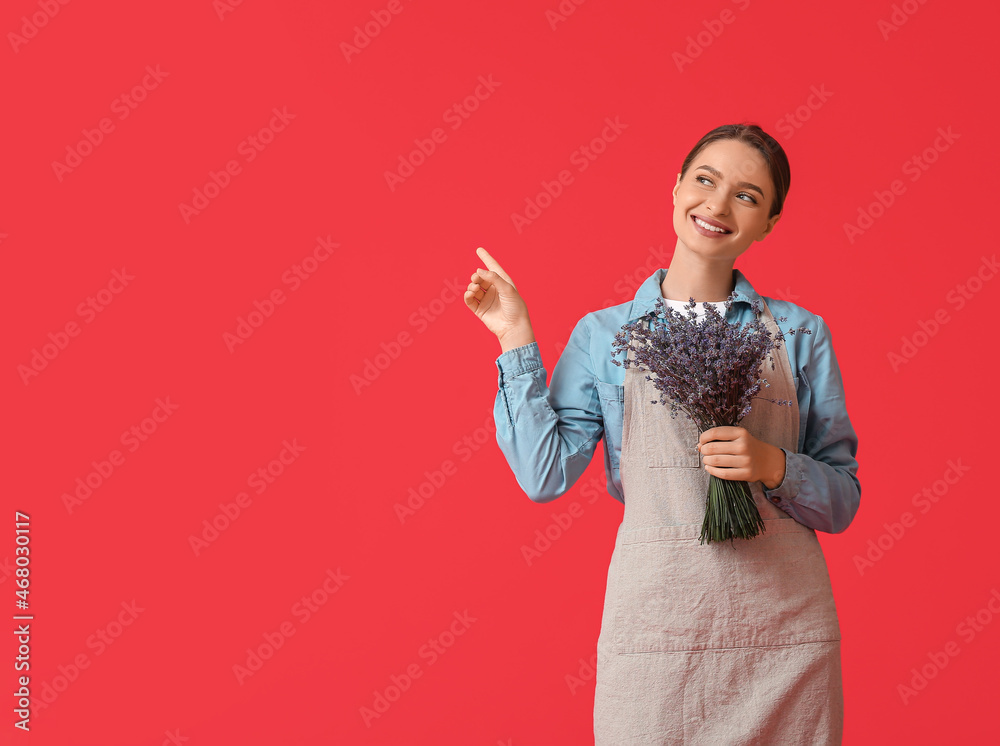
x,y
676,187
769,227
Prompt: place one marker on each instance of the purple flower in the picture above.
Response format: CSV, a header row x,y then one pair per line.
x,y
710,369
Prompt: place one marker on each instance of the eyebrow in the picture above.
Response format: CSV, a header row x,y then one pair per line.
x,y
742,184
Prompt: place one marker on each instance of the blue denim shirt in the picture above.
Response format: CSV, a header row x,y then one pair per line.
x,y
549,433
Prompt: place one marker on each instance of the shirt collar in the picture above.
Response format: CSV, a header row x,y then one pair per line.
x,y
644,303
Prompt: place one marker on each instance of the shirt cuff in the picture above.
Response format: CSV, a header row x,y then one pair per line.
x,y
784,493
518,360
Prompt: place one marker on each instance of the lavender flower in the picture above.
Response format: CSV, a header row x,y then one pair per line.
x,y
710,370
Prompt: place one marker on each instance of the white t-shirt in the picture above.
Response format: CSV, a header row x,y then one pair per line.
x,y
679,306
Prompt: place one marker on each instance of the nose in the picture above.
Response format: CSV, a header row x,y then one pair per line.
x,y
717,205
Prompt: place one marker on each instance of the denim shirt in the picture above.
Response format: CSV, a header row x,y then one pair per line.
x,y
548,433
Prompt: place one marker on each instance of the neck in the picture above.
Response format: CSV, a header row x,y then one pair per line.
x,y
710,282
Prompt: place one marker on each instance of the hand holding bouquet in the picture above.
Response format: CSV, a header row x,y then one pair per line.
x,y
709,369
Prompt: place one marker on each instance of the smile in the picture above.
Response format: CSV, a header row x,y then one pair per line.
x,y
708,227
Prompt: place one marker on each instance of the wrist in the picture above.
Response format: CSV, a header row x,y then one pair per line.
x,y
516,338
777,471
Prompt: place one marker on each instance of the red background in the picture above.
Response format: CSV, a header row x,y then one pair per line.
x,y
505,679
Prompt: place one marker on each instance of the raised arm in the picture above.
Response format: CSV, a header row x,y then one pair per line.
x,y
547,434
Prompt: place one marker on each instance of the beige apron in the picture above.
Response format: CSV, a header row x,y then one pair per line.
x,y
722,643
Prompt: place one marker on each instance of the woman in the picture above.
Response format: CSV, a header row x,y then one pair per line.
x,y
730,642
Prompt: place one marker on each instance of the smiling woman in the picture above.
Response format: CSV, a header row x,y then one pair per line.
x,y
728,642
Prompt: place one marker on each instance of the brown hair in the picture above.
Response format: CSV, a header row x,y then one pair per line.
x,y
752,135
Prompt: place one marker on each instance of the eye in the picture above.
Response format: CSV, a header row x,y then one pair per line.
x,y
703,179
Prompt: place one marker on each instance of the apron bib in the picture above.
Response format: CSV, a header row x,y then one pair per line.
x,y
723,643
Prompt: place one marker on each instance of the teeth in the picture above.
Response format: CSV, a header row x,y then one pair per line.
x,y
705,225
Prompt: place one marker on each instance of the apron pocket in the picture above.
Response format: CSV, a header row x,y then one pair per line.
x,y
673,594
668,442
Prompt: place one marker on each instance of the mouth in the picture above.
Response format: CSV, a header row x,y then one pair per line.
x,y
709,227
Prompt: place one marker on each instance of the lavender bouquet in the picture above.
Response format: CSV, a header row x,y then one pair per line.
x,y
709,369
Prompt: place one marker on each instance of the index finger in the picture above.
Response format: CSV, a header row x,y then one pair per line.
x,y
492,264
719,432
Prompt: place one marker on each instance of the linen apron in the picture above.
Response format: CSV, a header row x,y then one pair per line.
x,y
722,643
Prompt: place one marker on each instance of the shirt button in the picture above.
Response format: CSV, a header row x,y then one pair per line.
x,y
775,499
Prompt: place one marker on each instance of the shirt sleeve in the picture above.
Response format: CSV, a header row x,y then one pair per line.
x,y
548,434
821,488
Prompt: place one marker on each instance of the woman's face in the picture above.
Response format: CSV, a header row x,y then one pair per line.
x,y
728,186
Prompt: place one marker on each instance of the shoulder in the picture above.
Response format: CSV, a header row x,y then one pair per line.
x,y
602,325
795,315
800,318
610,316
593,335
812,355
805,334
